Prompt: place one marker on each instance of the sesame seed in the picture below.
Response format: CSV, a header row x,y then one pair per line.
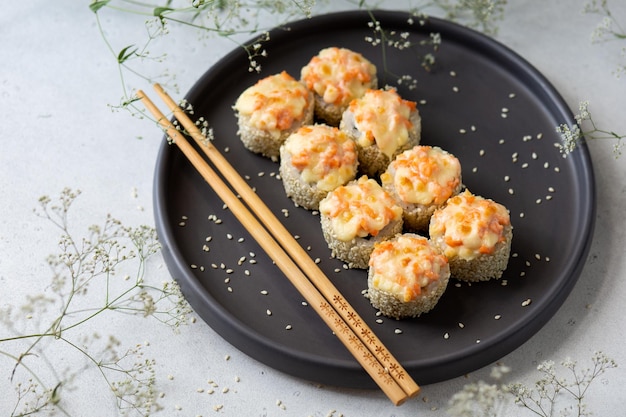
x,y
551,189
461,325
227,357
318,260
452,73
260,174
538,201
264,292
526,302
462,131
379,321
288,327
501,141
226,280
497,317
397,331
475,169
546,165
525,165
473,128
507,178
522,214
268,312
533,155
537,256
481,152
229,289
304,303
193,266
511,191
229,236
455,89
225,390
446,336
240,240
511,95
246,272
229,271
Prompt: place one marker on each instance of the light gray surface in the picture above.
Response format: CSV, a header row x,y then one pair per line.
x,y
56,84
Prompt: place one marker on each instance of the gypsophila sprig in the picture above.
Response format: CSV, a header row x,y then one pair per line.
x,y
608,29
553,390
481,398
585,128
94,276
229,19
551,395
482,15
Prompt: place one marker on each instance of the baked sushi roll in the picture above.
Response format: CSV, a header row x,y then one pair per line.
x,y
422,179
314,160
336,76
271,110
383,125
357,215
407,276
475,234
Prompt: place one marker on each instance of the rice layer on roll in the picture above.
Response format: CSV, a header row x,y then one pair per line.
x,y
475,234
357,215
269,111
422,179
383,125
314,160
336,76
407,276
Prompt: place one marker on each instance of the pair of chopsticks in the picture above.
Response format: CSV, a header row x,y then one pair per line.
x,y
289,256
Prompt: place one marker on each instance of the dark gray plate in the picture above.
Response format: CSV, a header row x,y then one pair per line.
x,y
508,112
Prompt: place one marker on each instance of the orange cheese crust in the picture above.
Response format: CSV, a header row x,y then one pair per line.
x,y
470,226
274,103
383,118
360,208
424,175
323,155
405,266
338,75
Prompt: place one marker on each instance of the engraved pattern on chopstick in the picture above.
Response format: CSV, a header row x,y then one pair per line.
x,y
384,356
357,344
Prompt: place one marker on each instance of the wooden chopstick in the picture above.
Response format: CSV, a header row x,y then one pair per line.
x,y
316,288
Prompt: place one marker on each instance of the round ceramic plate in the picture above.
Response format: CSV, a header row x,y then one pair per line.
x,y
481,102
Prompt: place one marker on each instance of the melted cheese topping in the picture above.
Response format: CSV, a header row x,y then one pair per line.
x,y
424,175
406,265
359,209
274,103
324,155
383,118
469,225
338,75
